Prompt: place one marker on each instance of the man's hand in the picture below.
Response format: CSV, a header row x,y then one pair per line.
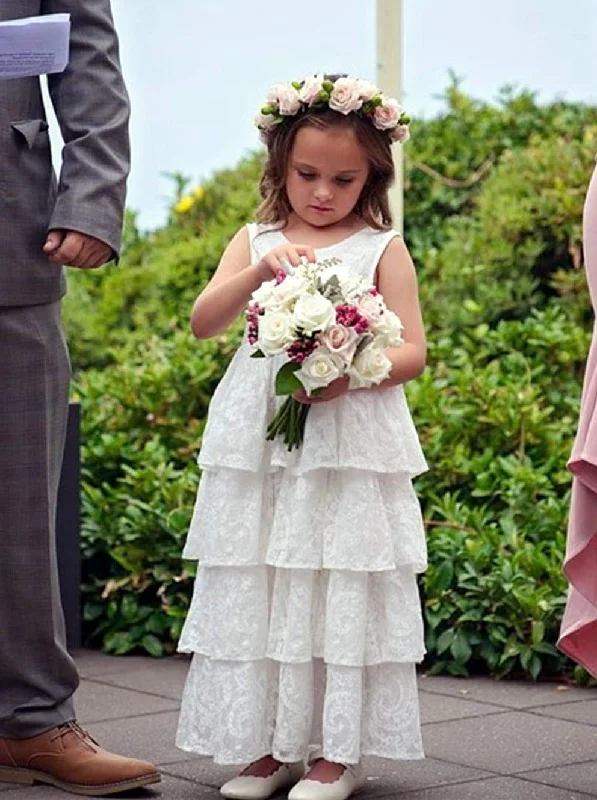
x,y
73,249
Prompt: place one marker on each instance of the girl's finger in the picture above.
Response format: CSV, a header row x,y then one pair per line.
x,y
293,256
273,262
307,251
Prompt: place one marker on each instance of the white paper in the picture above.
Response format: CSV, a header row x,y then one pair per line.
x,y
34,45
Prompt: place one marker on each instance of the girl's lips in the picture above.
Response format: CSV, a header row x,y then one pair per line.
x,y
321,208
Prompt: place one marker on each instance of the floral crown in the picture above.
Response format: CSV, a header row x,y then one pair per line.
x,y
344,94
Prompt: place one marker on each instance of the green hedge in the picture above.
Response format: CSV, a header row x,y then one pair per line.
x,y
493,210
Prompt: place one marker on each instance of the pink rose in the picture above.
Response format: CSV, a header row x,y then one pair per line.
x,y
388,114
371,306
346,96
312,86
341,341
285,97
400,134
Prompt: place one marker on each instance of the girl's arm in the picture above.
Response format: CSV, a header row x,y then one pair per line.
x,y
397,282
233,283
229,290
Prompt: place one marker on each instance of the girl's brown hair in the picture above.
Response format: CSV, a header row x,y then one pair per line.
x,y
373,205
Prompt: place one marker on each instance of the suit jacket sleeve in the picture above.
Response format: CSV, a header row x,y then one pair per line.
x,y
92,108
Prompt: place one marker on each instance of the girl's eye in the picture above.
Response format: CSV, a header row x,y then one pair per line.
x,y
344,181
308,176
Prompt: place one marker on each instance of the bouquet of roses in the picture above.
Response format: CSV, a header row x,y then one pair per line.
x,y
329,323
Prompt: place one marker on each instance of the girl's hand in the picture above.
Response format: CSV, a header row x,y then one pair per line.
x,y
335,389
271,263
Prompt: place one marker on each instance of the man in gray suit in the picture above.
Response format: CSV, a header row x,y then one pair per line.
x,y
45,224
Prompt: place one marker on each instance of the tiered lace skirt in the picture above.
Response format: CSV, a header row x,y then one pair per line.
x,y
305,624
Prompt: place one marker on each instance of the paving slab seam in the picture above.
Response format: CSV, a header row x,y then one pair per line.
x,y
469,716
128,689
534,713
471,699
556,766
491,773
554,786
132,716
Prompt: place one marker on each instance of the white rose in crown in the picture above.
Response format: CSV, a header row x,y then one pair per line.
x,y
372,307
285,97
389,329
367,90
319,370
313,313
311,89
276,332
346,96
388,114
341,341
370,366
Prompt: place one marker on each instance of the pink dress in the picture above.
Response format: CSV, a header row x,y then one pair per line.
x,y
578,635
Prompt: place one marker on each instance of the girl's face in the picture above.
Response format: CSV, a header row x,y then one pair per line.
x,y
327,170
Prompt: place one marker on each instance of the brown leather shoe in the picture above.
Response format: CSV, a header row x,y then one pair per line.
x,y
68,758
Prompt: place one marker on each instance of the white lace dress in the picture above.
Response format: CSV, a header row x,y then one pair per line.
x,y
305,623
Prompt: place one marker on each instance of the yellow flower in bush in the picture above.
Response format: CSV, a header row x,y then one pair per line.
x,y
199,193
184,204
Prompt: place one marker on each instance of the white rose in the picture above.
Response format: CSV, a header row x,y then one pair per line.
x,y
266,121
387,114
400,134
285,97
319,369
280,296
341,341
388,331
367,90
313,312
262,295
346,96
309,93
371,365
275,332
371,306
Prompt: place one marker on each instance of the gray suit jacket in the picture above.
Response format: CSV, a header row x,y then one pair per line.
x,y
92,107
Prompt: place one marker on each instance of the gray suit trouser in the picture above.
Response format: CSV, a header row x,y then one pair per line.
x,y
37,675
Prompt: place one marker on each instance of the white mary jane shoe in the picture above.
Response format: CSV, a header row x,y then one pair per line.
x,y
342,788
250,787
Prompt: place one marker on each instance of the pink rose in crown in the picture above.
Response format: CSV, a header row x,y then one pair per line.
x,y
388,114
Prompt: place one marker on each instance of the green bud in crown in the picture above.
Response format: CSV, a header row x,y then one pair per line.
x,y
328,86
269,110
297,85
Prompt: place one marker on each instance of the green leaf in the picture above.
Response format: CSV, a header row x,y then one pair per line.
x,y
445,640
537,631
460,648
286,381
152,644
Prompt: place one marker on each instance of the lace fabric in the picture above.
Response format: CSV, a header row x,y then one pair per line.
x,y
305,623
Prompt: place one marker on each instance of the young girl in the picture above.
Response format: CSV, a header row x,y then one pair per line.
x,y
305,624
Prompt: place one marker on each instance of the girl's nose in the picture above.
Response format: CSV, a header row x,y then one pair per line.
x,y
323,192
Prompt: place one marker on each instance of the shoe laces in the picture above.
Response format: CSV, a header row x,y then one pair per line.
x,y
79,732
